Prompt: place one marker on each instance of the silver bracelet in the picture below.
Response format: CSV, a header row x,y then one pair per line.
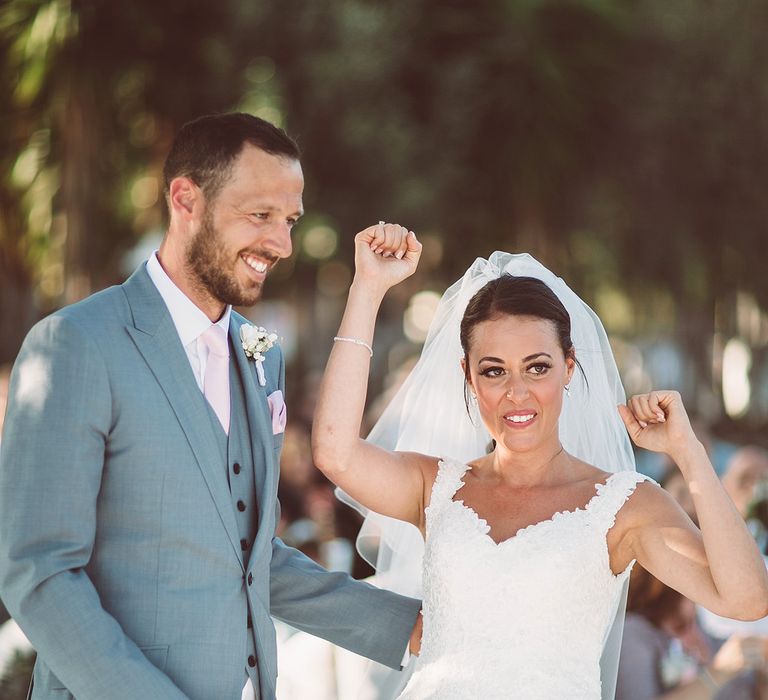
x,y
356,341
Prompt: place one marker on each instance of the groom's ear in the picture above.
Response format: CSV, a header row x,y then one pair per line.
x,y
183,196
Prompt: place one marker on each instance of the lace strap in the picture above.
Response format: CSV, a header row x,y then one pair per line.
x,y
613,494
447,482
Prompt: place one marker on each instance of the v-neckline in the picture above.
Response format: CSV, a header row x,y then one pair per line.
x,y
599,490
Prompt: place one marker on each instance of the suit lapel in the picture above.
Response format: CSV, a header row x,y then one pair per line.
x,y
260,423
158,342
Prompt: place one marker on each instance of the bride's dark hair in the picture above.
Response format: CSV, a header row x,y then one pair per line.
x,y
509,295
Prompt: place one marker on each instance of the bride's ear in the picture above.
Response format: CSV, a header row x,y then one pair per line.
x,y
570,365
467,376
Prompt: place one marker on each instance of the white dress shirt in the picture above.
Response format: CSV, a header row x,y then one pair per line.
x,y
189,319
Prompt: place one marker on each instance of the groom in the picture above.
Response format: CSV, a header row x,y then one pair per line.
x,y
139,463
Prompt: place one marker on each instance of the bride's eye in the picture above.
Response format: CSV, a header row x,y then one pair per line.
x,y
539,368
492,372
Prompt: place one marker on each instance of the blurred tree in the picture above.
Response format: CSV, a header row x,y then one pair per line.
x,y
693,159
96,90
624,144
483,121
481,125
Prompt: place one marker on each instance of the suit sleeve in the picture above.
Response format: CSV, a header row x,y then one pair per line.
x,y
352,614
54,440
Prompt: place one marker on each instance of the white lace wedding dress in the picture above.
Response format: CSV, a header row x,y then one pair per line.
x,y
525,618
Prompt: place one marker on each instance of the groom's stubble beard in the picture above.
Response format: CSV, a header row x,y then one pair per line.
x,y
213,272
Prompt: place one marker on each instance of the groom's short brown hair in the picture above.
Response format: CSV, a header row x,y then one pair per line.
x,y
205,149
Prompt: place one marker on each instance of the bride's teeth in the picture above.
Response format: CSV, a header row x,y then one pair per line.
x,y
520,419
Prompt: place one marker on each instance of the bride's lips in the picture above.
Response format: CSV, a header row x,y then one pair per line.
x,y
519,419
257,266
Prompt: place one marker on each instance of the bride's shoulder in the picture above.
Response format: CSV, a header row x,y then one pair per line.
x,y
637,493
444,469
429,465
646,501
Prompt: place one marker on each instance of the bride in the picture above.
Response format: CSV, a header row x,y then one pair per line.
x,y
526,496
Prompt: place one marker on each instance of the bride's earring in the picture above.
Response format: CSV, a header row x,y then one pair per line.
x,y
567,388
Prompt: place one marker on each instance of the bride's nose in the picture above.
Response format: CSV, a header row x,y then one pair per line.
x,y
516,388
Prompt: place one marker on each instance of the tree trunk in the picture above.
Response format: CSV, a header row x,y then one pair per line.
x,y
17,307
81,138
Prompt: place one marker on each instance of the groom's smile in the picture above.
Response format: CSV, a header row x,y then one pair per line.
x,y
260,267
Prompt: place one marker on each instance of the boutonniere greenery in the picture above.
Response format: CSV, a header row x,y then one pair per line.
x,y
256,341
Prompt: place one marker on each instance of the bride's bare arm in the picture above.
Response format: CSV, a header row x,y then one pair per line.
x,y
718,566
391,483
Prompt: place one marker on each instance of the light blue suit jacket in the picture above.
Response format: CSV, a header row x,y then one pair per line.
x,y
120,556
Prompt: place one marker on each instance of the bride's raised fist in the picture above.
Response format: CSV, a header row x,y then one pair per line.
x,y
386,254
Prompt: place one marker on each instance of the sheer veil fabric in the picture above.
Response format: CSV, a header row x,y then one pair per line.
x,y
428,415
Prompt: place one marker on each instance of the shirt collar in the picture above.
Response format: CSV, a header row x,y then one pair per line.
x,y
189,319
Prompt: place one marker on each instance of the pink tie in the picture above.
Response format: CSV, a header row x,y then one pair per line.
x,y
216,380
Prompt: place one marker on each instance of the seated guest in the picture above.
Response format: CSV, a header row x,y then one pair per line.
x,y
746,480
665,654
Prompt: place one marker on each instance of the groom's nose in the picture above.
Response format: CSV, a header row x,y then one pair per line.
x,y
279,241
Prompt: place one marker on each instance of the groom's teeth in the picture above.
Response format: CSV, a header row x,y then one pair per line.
x,y
254,264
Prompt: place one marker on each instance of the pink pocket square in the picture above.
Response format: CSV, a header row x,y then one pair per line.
x,y
278,410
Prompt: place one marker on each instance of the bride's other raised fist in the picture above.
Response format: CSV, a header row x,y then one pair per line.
x,y
658,421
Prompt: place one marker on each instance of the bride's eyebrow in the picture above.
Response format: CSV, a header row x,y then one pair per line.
x,y
490,359
525,359
535,355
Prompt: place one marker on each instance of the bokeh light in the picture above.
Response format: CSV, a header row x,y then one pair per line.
x,y
737,362
319,242
419,314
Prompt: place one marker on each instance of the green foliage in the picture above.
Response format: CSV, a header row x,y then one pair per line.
x,y
624,144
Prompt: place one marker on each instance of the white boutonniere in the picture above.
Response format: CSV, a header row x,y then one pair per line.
x,y
256,341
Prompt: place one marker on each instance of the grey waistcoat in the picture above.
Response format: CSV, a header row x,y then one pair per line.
x,y
237,463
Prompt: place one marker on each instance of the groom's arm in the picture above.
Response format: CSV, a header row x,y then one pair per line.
x,y
51,463
355,615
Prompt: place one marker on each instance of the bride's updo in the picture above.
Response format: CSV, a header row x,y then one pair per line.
x,y
509,295
516,296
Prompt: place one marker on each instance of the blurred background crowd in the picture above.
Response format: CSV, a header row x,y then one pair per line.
x,y
622,143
